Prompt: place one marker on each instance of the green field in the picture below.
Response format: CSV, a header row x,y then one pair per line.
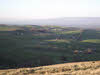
x,y
92,41
46,45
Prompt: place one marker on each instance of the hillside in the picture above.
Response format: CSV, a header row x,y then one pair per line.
x,y
32,45
79,68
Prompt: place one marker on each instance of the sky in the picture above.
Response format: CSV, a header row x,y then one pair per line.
x,y
45,9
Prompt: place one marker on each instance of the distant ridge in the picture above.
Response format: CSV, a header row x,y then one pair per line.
x,y
85,22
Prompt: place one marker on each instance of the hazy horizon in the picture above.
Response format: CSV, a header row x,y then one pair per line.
x,y
52,12
84,22
12,10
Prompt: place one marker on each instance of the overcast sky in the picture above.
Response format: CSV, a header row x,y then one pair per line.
x,y
44,9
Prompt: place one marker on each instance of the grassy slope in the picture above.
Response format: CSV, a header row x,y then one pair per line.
x,y
79,68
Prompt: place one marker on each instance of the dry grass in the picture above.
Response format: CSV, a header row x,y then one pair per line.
x,y
78,68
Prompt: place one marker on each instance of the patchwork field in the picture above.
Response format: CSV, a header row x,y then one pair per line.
x,y
32,46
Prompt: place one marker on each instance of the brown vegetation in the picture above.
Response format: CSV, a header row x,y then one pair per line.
x,y
79,68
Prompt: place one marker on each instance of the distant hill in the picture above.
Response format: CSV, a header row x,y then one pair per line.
x,y
85,22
